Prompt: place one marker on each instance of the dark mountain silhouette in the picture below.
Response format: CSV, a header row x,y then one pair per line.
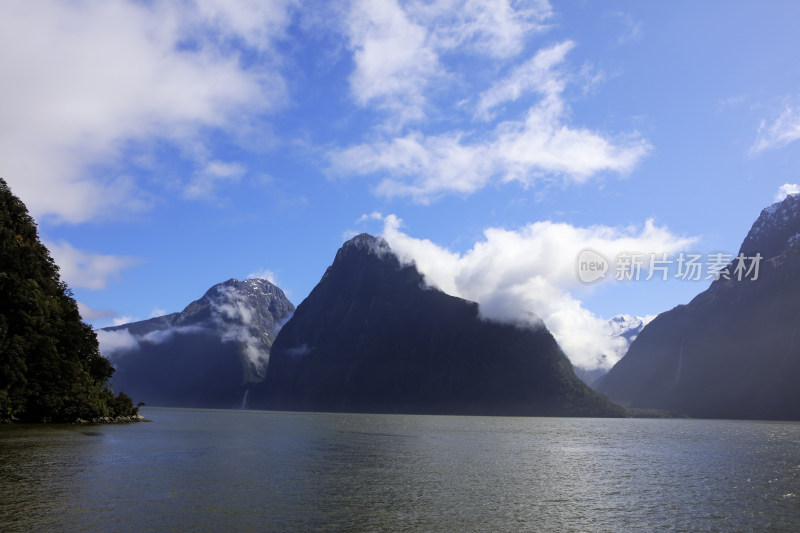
x,y
372,337
734,350
208,355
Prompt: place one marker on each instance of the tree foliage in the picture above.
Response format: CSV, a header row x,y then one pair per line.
x,y
50,363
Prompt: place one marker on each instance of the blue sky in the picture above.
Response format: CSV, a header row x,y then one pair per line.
x,y
164,147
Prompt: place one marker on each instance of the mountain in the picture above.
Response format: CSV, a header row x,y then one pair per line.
x,y
372,337
50,365
208,355
734,350
626,327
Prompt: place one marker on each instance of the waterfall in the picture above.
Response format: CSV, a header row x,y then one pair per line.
x,y
244,398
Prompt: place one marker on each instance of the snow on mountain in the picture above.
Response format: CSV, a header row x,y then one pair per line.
x,y
624,326
204,356
776,229
628,326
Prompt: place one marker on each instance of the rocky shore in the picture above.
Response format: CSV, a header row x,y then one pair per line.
x,y
112,420
80,421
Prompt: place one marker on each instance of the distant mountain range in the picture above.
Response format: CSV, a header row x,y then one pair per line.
x,y
734,350
208,355
372,337
626,327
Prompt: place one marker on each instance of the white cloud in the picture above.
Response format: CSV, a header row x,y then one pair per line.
x,y
785,190
84,79
87,270
156,312
783,130
264,273
497,28
536,74
393,59
375,215
122,320
113,343
540,145
528,273
397,46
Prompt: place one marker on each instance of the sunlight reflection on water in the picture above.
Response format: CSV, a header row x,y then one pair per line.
x,y
255,471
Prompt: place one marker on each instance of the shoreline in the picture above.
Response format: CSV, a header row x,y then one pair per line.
x,y
133,419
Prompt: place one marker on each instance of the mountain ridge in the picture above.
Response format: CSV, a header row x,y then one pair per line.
x,y
372,336
734,350
205,355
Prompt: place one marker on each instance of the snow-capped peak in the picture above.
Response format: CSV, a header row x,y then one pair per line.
x,y
628,326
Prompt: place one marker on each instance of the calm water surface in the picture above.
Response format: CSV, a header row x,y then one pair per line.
x,y
197,470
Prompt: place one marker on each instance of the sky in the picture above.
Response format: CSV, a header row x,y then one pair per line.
x,y
166,146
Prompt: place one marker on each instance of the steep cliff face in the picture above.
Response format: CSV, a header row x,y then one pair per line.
x,y
371,337
734,350
208,355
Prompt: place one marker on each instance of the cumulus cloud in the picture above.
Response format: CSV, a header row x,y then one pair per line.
x,y
393,60
397,46
778,133
785,190
425,167
87,270
83,80
527,275
539,145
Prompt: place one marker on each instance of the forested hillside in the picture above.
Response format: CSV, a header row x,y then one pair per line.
x,y
50,365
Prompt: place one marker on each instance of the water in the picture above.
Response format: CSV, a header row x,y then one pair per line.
x,y
257,471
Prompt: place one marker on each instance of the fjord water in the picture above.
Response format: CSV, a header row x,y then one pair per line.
x,y
205,470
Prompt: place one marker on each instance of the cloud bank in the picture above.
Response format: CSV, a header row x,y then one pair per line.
x,y
528,276
85,80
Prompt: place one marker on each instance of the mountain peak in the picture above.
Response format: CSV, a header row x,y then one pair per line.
x,y
776,229
370,244
371,337
206,355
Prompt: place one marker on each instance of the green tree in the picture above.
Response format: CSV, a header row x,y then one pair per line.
x,y
50,363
